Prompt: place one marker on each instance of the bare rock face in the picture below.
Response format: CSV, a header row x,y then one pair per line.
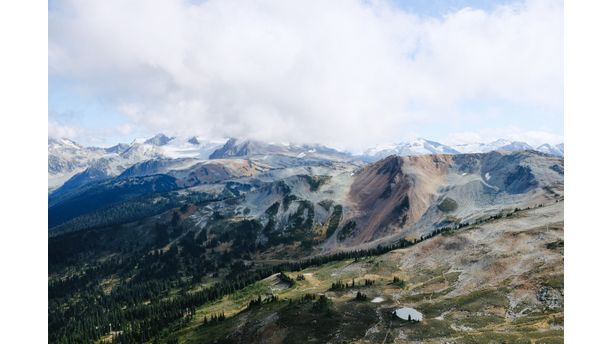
x,y
550,297
507,172
159,140
411,195
396,192
234,148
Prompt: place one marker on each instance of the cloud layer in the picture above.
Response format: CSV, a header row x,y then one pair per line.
x,y
347,73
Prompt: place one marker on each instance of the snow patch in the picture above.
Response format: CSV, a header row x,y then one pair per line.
x,y
378,299
407,312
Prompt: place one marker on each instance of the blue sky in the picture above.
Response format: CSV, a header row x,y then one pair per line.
x,y
442,7
366,73
72,106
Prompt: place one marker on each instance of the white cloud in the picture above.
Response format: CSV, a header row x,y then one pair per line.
x,y
348,73
92,136
58,130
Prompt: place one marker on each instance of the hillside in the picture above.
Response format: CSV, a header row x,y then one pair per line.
x,y
155,249
482,284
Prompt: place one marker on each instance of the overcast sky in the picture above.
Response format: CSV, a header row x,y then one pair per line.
x,y
346,73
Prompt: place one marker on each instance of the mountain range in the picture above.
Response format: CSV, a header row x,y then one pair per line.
x,y
422,146
183,240
97,179
68,159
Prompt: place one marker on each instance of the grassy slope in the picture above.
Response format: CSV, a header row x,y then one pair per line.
x,y
502,307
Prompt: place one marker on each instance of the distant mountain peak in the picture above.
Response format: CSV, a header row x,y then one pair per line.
x,y
194,141
159,140
118,148
500,142
63,142
421,146
515,146
235,147
557,149
416,146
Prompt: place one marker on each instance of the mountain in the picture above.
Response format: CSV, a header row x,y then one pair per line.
x,y
265,240
411,195
157,166
418,146
500,144
118,148
236,148
422,146
194,140
249,148
551,149
159,140
515,146
99,169
162,146
67,159
391,196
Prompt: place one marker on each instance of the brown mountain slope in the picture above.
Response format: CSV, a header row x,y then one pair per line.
x,y
395,192
410,196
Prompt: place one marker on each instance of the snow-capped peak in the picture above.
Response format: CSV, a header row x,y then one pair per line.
x,y
421,146
67,158
417,146
551,149
63,142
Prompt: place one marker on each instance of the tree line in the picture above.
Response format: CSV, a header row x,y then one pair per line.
x,y
136,312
